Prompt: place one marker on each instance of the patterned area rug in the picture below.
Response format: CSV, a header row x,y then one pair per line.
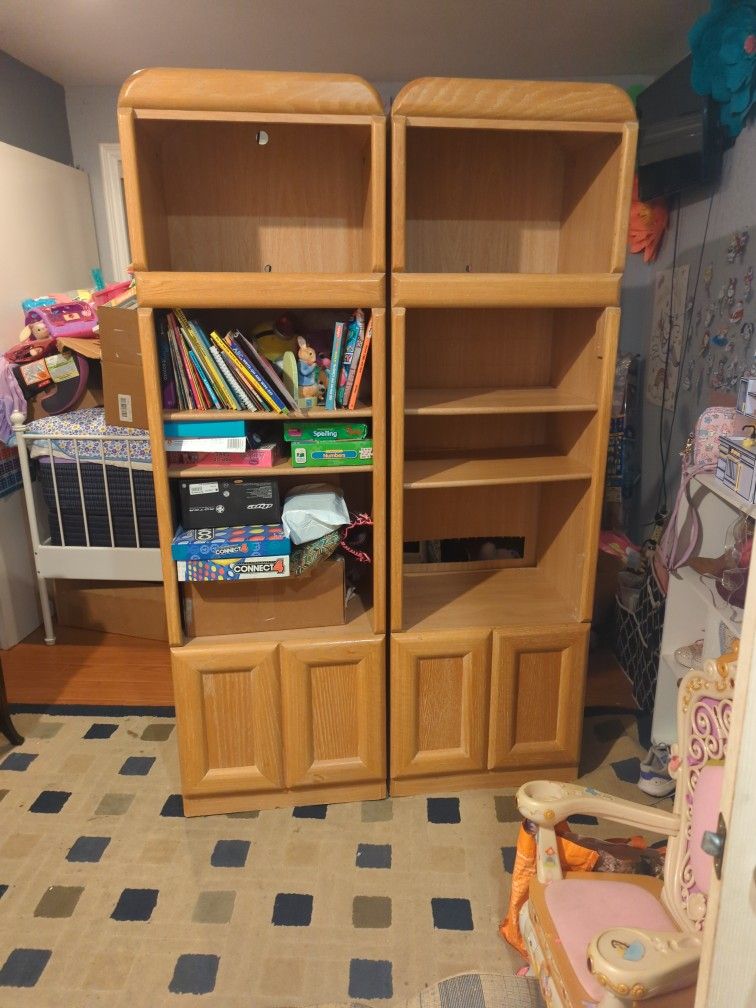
x,y
108,896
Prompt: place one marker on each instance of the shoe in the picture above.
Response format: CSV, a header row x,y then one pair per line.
x,y
654,778
690,656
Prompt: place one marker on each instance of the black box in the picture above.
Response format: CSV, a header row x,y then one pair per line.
x,y
217,503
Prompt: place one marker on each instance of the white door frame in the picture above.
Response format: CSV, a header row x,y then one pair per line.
x,y
110,163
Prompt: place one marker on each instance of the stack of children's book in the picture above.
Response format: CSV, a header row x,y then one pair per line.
x,y
201,372
349,354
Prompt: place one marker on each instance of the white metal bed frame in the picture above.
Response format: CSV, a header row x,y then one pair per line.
x,y
96,563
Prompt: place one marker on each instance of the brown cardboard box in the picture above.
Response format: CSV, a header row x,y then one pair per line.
x,y
132,608
123,384
217,608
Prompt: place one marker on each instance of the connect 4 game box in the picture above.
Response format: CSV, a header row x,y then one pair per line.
x,y
237,542
233,569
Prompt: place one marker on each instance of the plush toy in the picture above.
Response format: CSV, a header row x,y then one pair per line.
x,y
31,333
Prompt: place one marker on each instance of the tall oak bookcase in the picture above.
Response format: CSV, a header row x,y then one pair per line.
x,y
251,192
509,210
248,194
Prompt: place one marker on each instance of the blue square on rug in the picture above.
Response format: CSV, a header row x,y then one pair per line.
x,y
310,811
18,761
194,974
88,848
23,967
452,914
230,854
443,810
292,910
137,766
100,731
373,855
49,802
173,807
508,855
135,905
370,978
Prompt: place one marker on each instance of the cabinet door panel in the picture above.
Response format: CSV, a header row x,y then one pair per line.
x,y
537,690
334,712
439,703
228,713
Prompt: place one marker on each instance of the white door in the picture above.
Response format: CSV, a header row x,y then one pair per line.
x,y
48,245
727,976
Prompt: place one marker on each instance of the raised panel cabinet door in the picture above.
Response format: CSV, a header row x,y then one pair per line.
x,y
537,692
439,703
334,712
228,713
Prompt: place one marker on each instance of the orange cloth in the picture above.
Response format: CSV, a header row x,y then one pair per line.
x,y
572,857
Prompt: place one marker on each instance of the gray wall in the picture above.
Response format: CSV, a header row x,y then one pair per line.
x,y
33,111
92,121
733,209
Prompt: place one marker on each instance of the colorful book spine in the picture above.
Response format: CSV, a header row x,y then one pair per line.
x,y
233,364
354,325
205,379
253,375
236,388
356,353
254,360
202,349
167,380
195,396
273,376
333,373
361,364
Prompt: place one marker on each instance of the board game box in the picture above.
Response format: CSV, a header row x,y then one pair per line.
x,y
316,431
237,542
314,455
233,569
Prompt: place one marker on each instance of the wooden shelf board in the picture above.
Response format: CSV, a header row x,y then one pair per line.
x,y
447,402
513,290
318,413
510,596
359,626
523,465
260,290
282,468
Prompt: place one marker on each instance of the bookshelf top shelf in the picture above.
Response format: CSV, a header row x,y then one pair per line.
x,y
249,91
551,101
260,290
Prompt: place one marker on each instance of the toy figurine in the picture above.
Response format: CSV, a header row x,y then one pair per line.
x,y
306,368
737,246
736,312
708,277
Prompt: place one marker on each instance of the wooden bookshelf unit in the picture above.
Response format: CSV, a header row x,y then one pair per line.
x,y
255,193
509,206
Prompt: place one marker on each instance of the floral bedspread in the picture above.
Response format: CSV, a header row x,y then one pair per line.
x,y
107,447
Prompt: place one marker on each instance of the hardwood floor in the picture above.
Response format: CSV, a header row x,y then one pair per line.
x,y
88,667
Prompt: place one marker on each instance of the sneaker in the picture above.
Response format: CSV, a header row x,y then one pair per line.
x,y
654,778
690,656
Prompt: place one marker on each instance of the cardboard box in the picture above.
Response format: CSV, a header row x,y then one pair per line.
x,y
131,608
317,455
212,503
122,380
312,600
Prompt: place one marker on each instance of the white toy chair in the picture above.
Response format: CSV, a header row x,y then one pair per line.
x,y
613,940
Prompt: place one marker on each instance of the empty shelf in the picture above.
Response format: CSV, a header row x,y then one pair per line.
x,y
511,596
445,402
524,465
